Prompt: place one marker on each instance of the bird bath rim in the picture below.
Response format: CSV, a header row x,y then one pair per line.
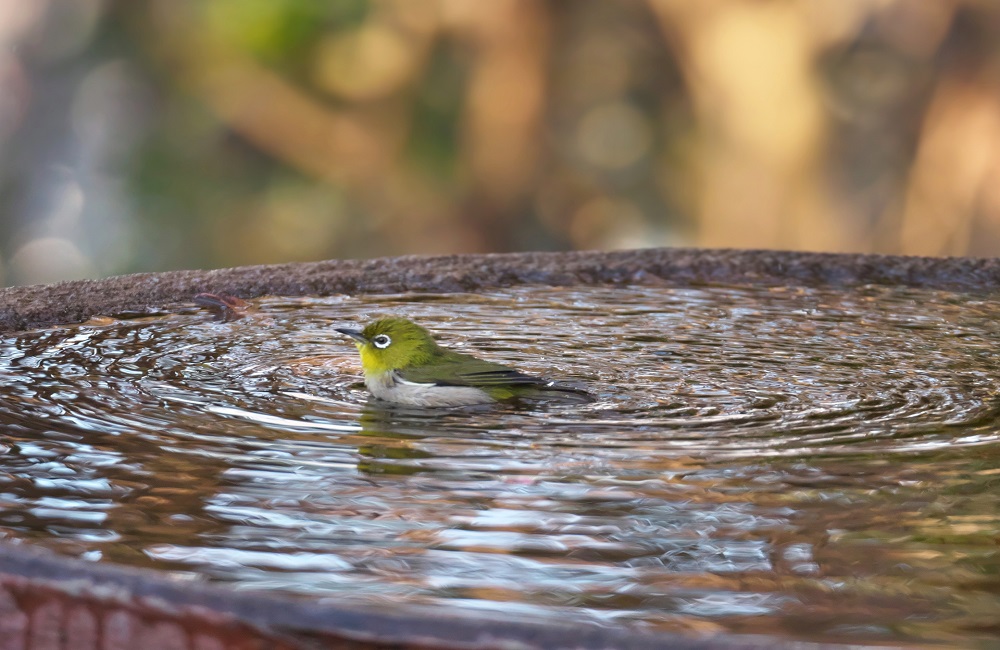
x,y
27,307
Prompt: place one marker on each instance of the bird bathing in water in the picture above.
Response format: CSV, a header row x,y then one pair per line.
x,y
403,364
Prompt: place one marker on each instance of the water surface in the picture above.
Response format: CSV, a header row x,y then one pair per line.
x,y
812,464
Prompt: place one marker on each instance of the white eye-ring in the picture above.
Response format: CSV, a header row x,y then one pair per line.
x,y
381,341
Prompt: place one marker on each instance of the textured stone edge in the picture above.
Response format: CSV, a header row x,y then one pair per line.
x,y
73,302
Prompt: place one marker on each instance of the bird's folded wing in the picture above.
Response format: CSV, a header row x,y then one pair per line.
x,y
468,372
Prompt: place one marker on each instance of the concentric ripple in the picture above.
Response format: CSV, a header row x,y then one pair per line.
x,y
810,463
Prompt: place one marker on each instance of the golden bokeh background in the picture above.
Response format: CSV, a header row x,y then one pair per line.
x,y
169,134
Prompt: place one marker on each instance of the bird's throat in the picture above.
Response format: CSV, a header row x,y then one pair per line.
x,y
372,362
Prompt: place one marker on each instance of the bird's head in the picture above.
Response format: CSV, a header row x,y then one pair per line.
x,y
391,344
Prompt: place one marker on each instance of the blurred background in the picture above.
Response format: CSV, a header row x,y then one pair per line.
x,y
166,134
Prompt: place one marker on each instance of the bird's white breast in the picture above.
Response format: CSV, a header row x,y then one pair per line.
x,y
392,388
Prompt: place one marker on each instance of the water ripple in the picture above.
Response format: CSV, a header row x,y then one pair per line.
x,y
800,462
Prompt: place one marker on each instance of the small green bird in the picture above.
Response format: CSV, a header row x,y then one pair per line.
x,y
403,364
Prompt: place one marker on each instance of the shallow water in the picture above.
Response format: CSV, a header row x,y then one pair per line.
x,y
812,464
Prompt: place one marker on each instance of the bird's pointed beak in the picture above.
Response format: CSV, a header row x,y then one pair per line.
x,y
354,334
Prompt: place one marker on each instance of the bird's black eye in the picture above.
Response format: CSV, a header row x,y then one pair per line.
x,y
381,341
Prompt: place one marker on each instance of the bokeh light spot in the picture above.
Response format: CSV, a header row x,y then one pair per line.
x,y
613,135
365,63
49,259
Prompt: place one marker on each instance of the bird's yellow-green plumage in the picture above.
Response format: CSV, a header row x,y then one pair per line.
x,y
409,344
404,364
